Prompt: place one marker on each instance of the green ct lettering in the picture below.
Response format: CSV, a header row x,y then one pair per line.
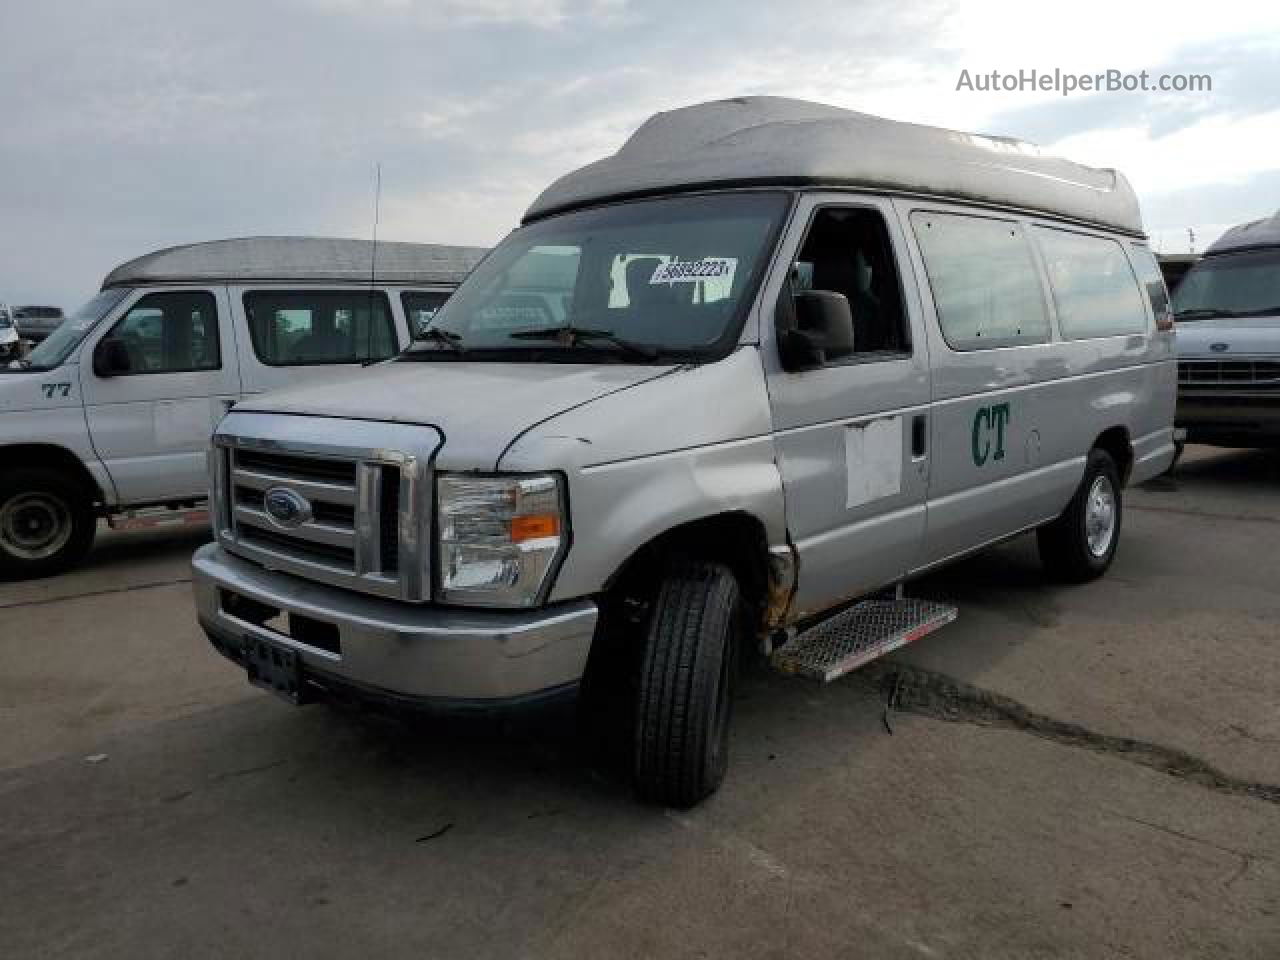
x,y
985,420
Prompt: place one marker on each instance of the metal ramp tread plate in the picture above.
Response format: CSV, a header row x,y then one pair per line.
x,y
859,634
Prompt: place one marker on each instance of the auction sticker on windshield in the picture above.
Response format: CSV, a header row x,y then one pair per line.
x,y
691,271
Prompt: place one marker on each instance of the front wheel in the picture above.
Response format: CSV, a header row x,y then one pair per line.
x,y
47,523
687,678
1081,544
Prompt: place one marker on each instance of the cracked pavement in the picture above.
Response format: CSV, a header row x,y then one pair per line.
x,y
1073,772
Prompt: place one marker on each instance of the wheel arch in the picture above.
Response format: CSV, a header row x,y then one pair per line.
x,y
1116,442
737,538
51,456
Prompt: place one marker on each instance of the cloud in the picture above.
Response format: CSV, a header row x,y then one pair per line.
x,y
546,14
165,123
1243,72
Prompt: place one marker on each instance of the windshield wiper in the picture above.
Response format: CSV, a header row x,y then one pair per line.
x,y
1203,313
570,336
446,338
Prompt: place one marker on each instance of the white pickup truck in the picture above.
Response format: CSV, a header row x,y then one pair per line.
x,y
111,415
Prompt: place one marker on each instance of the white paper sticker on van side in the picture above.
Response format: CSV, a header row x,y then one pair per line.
x,y
690,271
873,460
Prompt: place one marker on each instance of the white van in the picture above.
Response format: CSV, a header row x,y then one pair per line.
x,y
769,359
10,341
112,412
1228,313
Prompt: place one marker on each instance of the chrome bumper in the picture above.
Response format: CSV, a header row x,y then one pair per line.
x,y
399,651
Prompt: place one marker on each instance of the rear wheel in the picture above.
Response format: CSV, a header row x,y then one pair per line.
x,y
47,523
1081,544
688,673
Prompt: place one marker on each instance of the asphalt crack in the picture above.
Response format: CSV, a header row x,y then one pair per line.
x,y
1202,514
44,601
942,697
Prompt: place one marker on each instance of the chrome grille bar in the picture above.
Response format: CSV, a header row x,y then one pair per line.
x,y
311,489
1246,372
311,530
368,550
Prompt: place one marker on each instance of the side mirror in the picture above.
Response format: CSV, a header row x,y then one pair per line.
x,y
819,329
111,358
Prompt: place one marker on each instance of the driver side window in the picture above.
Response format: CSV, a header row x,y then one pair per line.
x,y
169,333
848,251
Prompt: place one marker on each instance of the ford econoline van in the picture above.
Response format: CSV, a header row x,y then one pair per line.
x,y
1228,314
111,414
716,393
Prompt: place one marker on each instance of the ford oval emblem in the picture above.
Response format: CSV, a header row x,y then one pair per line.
x,y
287,508
1219,347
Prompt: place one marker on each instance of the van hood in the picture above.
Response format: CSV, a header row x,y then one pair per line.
x,y
479,407
1224,336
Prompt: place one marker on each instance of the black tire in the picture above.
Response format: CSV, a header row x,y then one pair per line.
x,y
1066,549
687,678
47,523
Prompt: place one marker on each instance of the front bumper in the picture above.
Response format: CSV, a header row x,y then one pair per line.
x,y
1229,418
405,654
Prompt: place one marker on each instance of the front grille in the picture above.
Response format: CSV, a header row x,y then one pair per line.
x,y
351,533
354,509
327,538
1242,373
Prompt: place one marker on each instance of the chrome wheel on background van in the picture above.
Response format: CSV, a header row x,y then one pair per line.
x,y
1081,543
1100,515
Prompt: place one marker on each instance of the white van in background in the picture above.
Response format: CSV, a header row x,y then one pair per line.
x,y
113,411
1228,313
10,344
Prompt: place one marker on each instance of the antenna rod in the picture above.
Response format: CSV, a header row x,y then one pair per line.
x,y
377,210
373,260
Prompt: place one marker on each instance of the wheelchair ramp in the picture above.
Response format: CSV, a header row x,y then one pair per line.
x,y
859,634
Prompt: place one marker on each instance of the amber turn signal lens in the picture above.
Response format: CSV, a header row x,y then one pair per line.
x,y
534,527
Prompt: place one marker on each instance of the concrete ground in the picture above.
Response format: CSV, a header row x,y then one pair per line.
x,y
1072,772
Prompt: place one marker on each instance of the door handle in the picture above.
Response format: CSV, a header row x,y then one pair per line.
x,y
919,436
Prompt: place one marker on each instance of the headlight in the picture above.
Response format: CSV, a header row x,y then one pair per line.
x,y
500,538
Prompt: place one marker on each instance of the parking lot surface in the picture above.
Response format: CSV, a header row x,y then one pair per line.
x,y
1086,771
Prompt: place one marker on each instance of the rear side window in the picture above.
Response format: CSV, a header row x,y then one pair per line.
x,y
291,328
984,280
420,308
1152,279
1094,289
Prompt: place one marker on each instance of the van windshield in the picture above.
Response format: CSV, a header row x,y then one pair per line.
x,y
1231,285
55,348
650,280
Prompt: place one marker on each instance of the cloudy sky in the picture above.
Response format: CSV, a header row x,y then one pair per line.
x,y
127,125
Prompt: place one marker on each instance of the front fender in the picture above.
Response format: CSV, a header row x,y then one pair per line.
x,y
618,508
